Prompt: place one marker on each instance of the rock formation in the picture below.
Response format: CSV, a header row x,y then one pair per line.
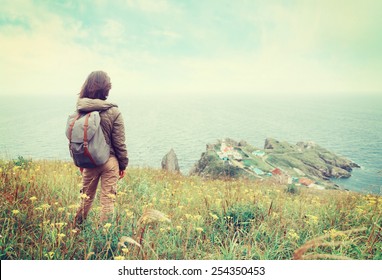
x,y
303,159
170,162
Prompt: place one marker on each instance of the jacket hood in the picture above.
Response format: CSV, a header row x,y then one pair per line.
x,y
89,105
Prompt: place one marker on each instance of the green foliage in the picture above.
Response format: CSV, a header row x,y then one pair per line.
x,y
292,189
22,162
243,216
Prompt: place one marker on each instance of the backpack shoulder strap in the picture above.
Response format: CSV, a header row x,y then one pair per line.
x,y
86,149
71,127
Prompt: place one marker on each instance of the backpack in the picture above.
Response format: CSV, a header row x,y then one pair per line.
x,y
87,144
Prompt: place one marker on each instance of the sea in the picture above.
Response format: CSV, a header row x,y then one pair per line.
x,y
348,125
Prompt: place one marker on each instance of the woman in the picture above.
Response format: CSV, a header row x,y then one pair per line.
x,y
93,97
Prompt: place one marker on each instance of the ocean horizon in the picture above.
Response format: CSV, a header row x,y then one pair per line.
x,y
350,126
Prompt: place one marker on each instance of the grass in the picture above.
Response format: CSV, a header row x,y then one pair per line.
x,y
160,215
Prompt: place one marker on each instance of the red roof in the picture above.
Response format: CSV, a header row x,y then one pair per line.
x,y
276,172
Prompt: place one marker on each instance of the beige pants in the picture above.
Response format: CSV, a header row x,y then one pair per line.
x,y
109,174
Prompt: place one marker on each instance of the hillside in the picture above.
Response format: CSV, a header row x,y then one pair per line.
x,y
160,215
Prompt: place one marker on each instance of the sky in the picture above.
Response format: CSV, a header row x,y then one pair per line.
x,y
189,47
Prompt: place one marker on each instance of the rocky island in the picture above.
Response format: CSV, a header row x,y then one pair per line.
x,y
304,163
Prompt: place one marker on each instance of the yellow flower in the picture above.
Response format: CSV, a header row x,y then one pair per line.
x,y
33,198
84,196
61,235
129,214
199,229
197,217
112,196
107,226
293,235
125,250
119,258
15,212
74,230
215,217
45,206
50,254
61,209
15,168
178,228
313,220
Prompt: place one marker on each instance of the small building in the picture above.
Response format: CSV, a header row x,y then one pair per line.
x,y
276,171
258,153
258,171
305,181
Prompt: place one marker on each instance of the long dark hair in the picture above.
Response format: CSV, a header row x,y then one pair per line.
x,y
96,86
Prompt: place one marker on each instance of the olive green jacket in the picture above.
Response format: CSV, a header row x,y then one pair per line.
x,y
112,126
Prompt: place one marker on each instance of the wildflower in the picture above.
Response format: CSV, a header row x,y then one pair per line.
x,y
312,220
112,196
15,212
45,206
199,229
125,250
129,214
15,168
188,216
178,228
197,217
61,209
121,193
275,215
215,217
33,198
107,226
293,235
50,254
119,258
84,196
74,230
61,235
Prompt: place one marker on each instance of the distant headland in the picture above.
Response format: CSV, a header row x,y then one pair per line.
x,y
304,163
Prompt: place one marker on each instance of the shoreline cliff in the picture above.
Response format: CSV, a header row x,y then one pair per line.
x,y
305,163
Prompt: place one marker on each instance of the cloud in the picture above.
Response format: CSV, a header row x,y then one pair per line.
x,y
157,47
158,6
